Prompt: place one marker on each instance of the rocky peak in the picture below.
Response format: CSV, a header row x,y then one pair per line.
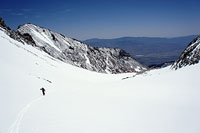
x,y
23,38
72,51
190,56
3,25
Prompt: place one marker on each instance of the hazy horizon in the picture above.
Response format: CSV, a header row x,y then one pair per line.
x,y
143,37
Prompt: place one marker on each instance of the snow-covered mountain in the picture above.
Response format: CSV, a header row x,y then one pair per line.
x,y
80,101
190,56
105,60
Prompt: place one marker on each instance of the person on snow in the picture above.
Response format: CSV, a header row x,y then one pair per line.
x,y
43,91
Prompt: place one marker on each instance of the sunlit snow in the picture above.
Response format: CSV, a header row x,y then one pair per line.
x,y
81,101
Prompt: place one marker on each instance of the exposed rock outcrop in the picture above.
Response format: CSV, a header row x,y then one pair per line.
x,y
190,56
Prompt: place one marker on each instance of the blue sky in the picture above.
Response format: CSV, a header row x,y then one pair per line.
x,y
84,19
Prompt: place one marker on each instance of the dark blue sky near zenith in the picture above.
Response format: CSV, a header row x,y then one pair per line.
x,y
84,19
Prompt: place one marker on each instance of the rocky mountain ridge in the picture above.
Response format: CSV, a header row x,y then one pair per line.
x,y
72,51
190,56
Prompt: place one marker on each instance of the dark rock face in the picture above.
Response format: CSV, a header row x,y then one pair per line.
x,y
28,37
3,25
190,56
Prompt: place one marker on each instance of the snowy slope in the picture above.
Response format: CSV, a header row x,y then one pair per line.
x,y
69,50
80,101
190,56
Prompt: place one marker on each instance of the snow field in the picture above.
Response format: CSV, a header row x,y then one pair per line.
x,y
81,101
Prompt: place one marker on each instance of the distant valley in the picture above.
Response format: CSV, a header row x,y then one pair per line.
x,y
147,50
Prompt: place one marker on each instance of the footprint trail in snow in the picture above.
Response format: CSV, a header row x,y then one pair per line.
x,y
16,125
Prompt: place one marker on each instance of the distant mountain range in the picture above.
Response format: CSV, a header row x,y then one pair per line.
x,y
147,50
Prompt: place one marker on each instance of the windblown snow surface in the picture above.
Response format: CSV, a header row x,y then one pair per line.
x,y
81,101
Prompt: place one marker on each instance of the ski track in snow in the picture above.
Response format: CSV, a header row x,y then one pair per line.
x,y
16,125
